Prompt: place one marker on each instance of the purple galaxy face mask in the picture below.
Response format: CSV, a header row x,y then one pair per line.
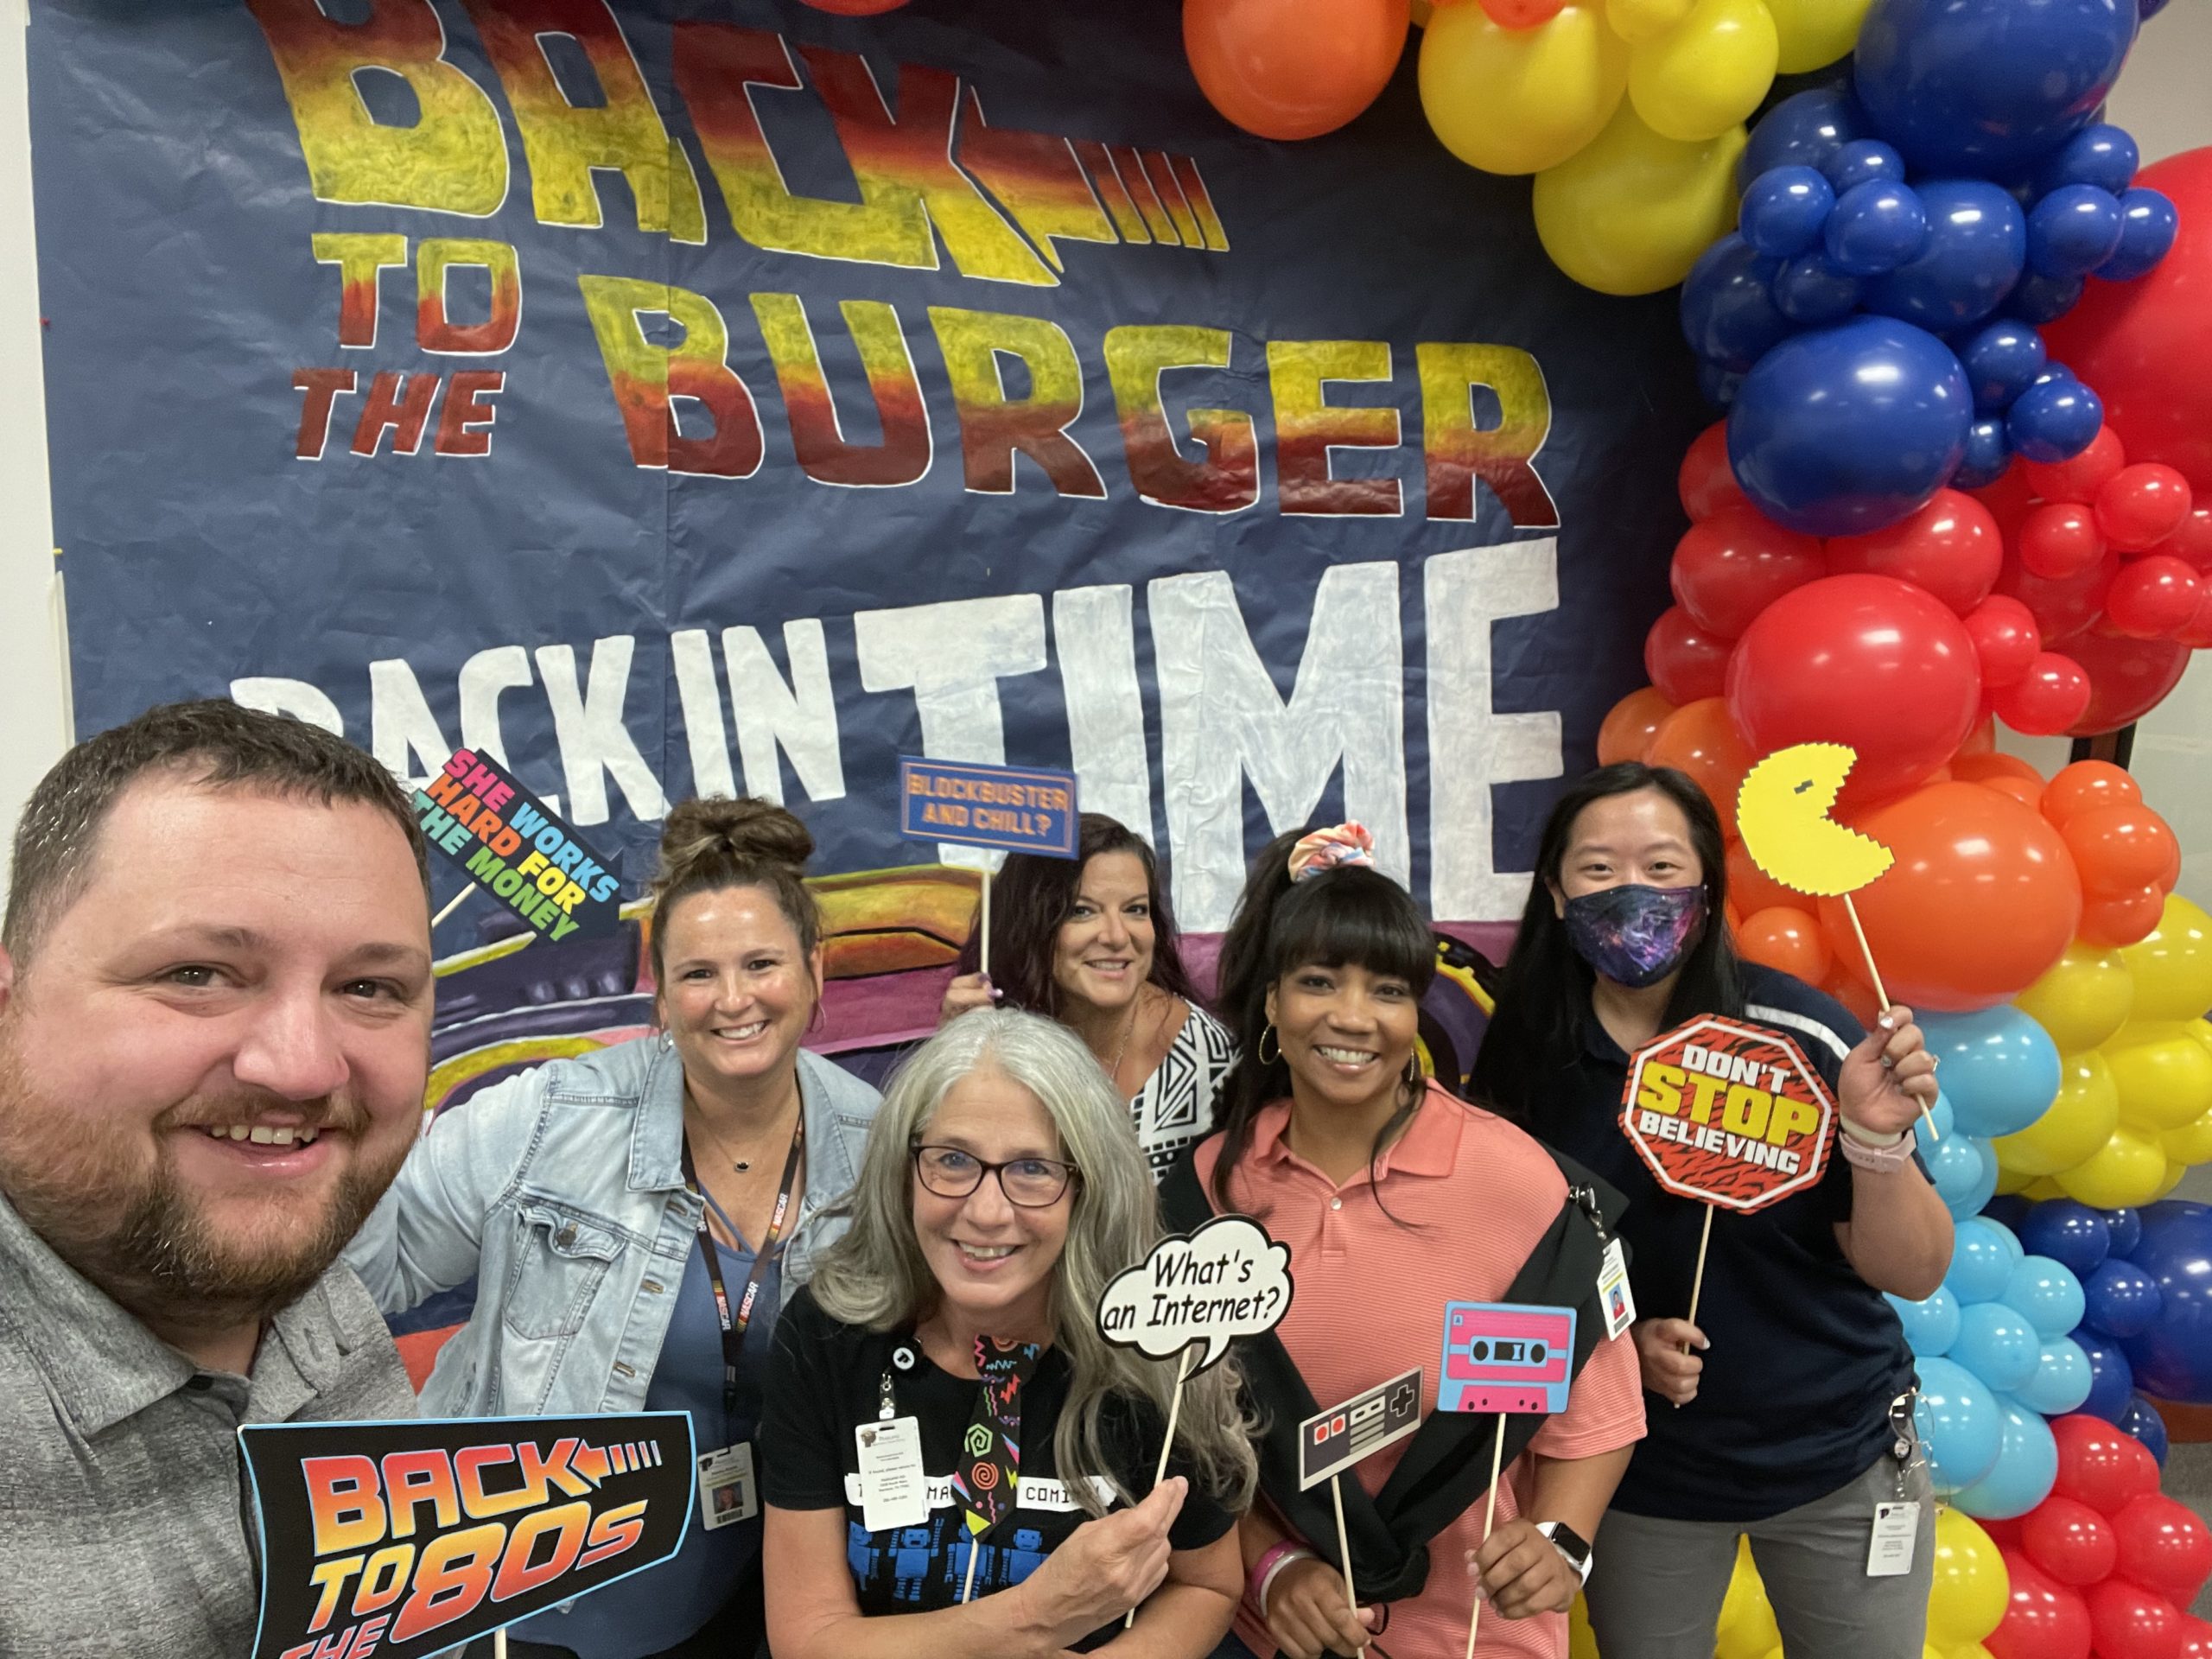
x,y
1635,935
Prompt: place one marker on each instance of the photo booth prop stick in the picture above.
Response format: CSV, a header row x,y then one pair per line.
x,y
1782,811
507,842
1006,809
1730,1114
1333,1441
1196,1294
1503,1357
406,1539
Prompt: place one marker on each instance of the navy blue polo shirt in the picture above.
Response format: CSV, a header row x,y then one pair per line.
x,y
1806,1355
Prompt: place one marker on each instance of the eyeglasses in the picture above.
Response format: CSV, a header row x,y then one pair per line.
x,y
1031,1183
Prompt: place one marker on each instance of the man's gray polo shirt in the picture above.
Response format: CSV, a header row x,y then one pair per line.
x,y
122,1519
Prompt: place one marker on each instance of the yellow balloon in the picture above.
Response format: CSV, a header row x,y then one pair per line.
x,y
2174,1173
1631,213
2173,966
2083,998
2081,1120
1638,20
2014,1180
2189,1144
1708,72
1815,33
2126,1170
1746,1629
1582,1641
2163,1074
1519,100
1971,1651
1971,1589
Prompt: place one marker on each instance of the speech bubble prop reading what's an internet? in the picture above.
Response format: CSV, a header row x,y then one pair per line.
x,y
1225,1279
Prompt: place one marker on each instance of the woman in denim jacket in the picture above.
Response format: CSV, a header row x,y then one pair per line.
x,y
602,1203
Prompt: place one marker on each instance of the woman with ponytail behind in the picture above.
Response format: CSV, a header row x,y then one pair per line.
x,y
636,1218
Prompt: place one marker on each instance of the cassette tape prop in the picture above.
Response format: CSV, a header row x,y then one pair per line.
x,y
1506,1356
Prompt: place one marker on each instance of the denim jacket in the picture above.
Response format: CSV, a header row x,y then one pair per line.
x,y
561,1190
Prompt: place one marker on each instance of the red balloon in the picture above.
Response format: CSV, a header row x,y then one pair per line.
x,y
2005,639
2195,1638
1982,899
1788,938
2143,345
2058,540
2127,678
2192,541
2151,596
2080,478
2009,498
2047,699
1684,661
1522,14
2129,1622
1951,547
2119,848
1705,482
2069,1541
2084,786
2101,1465
1294,68
2062,608
1731,565
1870,661
2196,633
2163,1546
2043,1619
2141,505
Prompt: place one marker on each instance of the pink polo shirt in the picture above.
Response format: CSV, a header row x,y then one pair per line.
x,y
1475,1196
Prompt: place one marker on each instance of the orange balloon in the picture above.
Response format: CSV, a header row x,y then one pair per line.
x,y
2111,919
1751,889
1631,726
1788,939
2120,850
1981,740
1701,740
2028,792
1982,900
1294,68
1980,768
2086,784
1858,998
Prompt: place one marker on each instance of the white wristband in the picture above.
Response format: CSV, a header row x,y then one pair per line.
x,y
1866,1137
1275,1572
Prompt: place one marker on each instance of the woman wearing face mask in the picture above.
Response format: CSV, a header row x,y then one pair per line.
x,y
1091,941
1781,1402
963,1466
636,1218
1396,1197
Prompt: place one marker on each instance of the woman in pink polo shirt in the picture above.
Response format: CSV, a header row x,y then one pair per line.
x,y
1396,1197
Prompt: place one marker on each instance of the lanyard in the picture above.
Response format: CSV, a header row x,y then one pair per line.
x,y
736,1322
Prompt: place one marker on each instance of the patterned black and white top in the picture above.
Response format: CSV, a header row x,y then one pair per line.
x,y
1175,1106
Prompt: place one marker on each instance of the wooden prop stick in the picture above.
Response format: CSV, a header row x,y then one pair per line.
x,y
1697,1280
498,1639
1882,997
1489,1514
451,905
984,922
1343,1544
1167,1445
974,1548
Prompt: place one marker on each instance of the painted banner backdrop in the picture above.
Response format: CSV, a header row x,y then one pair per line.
x,y
721,394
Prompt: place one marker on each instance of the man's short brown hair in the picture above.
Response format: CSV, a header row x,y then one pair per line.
x,y
213,743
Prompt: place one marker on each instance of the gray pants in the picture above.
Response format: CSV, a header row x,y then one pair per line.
x,y
1656,1586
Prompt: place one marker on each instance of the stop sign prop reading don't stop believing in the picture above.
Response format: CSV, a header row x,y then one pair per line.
x,y
1728,1113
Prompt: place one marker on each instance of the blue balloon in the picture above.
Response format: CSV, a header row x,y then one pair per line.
x,y
2061,1379
1863,161
2141,1419
2009,1210
1987,85
1728,316
1783,209
2005,1236
1988,454
1875,227
1960,1423
2073,231
1955,1167
2146,10
1810,289
1984,1186
2173,1358
2054,420
2111,1379
2148,222
2127,1230
1930,1327
1999,1068
1803,130
2042,299
1976,249
2121,1301
1850,428
2026,1471
2104,155
1981,1261
2001,360
2046,1293
2069,1232
1717,384
1998,1344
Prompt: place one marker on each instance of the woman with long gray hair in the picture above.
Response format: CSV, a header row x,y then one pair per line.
x,y
956,1463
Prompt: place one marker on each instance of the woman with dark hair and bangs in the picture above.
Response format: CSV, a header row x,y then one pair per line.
x,y
1092,942
1395,1197
1790,1413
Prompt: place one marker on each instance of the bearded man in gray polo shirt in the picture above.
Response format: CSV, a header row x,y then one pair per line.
x,y
214,1029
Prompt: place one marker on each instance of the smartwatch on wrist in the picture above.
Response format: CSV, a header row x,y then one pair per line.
x,y
1569,1543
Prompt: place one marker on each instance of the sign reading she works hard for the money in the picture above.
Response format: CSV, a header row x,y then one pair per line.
x,y
1729,1113
1331,1441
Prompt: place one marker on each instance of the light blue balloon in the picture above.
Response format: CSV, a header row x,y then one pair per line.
x,y
1985,1185
1998,1344
1939,1114
2062,1381
2025,1470
1999,1068
1961,1425
1981,1261
2007,1237
1930,1327
2047,1292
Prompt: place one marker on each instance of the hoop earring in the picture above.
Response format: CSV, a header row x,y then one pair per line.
x,y
1412,1069
1260,1048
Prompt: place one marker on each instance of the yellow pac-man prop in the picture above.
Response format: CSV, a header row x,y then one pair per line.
x,y
1782,814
